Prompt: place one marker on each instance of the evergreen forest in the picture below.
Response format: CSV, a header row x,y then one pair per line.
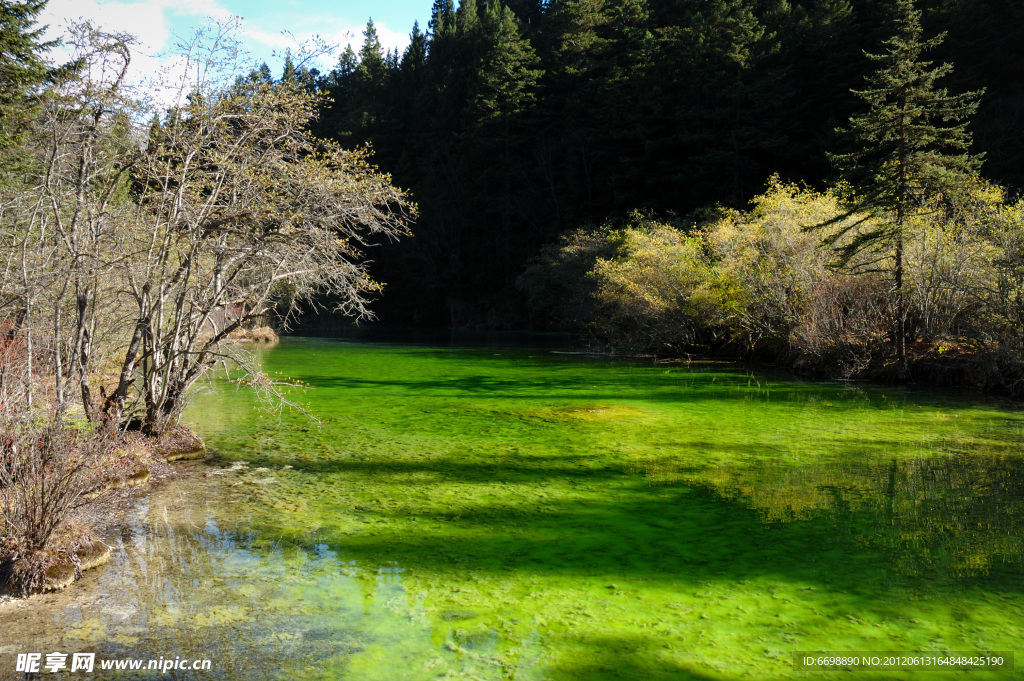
x,y
513,123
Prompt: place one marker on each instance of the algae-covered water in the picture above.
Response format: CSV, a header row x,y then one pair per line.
x,y
490,513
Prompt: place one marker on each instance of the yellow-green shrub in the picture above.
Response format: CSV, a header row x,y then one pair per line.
x,y
762,282
662,290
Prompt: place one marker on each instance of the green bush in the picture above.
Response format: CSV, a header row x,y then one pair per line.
x,y
761,283
661,291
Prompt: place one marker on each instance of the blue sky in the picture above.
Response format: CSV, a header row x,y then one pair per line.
x,y
156,22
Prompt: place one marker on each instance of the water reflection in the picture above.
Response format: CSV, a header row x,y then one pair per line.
x,y
471,516
181,585
949,517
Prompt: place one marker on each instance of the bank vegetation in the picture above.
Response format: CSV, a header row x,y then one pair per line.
x,y
760,284
909,268
139,231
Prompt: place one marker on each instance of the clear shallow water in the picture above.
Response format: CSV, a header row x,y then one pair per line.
x,y
523,514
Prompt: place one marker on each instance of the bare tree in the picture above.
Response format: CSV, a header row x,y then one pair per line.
x,y
237,210
133,253
58,225
129,254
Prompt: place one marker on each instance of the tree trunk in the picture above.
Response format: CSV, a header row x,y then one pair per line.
x,y
84,348
161,418
902,366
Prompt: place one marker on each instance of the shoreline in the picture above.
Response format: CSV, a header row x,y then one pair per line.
x,y
931,368
106,518
67,619
941,365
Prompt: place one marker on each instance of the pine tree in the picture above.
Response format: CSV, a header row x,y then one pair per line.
x,y
576,51
441,17
22,68
348,62
371,54
413,59
571,37
507,75
910,146
467,18
528,12
731,102
623,120
290,74
823,49
156,133
368,86
502,93
986,51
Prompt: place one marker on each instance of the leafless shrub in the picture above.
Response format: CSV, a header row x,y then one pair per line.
x,y
945,264
48,470
843,327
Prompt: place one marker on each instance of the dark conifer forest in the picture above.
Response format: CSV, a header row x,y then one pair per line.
x,y
513,123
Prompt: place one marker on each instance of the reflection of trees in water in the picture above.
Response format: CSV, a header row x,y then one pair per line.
x,y
185,588
954,516
951,516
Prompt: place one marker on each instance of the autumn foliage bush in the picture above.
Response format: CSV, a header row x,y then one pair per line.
x,y
761,283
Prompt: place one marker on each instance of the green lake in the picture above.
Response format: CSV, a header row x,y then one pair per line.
x,y
503,513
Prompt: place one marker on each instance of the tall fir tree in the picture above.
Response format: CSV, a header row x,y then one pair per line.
x,y
441,18
571,38
415,55
502,94
23,70
986,51
910,146
371,54
289,74
156,133
369,84
669,105
575,49
623,118
730,125
822,48
508,71
339,84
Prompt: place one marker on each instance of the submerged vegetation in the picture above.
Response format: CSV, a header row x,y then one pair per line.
x,y
492,513
502,514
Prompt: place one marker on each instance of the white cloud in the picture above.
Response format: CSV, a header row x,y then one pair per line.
x,y
335,32
144,20
154,23
150,21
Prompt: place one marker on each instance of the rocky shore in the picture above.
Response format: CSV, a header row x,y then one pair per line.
x,y
150,462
